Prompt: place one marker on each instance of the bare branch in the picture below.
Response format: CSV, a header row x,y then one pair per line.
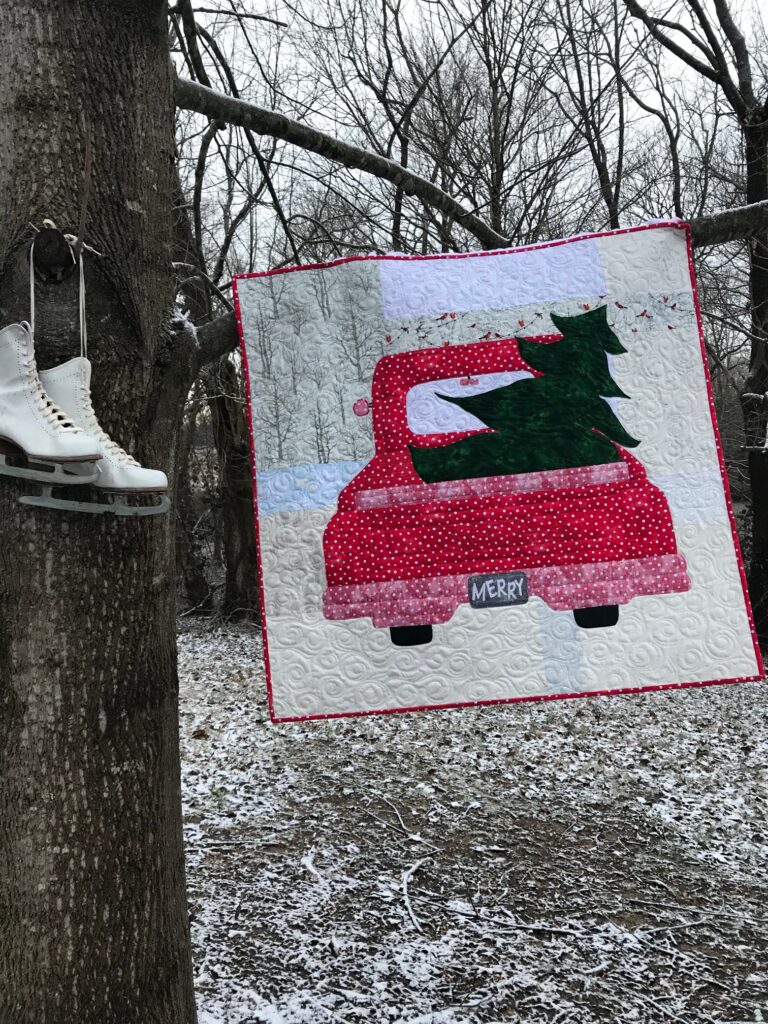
x,y
740,52
652,25
190,33
229,235
676,26
721,61
242,14
202,156
198,274
263,167
216,339
742,222
717,73
191,96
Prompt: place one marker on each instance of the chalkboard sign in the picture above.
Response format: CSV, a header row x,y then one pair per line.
x,y
498,588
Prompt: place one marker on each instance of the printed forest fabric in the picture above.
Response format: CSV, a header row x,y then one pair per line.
x,y
490,477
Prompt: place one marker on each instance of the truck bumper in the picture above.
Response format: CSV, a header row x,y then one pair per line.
x,y
563,588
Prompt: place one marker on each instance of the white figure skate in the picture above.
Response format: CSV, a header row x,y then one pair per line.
x,y
34,430
121,476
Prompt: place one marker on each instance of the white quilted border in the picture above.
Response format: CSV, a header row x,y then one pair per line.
x,y
321,669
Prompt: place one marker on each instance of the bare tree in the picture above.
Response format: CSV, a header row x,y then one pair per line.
x,y
323,430
592,80
230,431
359,346
92,894
709,41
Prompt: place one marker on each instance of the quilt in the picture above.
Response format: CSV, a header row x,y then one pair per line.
x,y
490,477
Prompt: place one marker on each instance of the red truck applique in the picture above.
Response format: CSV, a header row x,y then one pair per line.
x,y
500,474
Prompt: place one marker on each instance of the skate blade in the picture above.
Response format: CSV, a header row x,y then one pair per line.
x,y
60,504
129,511
46,500
55,476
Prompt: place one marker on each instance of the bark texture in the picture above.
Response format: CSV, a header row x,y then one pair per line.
x,y
755,409
93,917
741,222
230,431
189,556
190,561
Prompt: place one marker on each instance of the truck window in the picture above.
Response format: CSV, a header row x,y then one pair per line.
x,y
429,414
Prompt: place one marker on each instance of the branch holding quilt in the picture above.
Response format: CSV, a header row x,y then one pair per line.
x,y
220,336
743,222
217,106
714,229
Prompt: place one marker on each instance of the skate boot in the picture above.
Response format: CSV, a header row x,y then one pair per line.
x,y
121,475
42,441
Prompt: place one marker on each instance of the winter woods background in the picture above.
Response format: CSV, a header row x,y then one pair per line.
x,y
480,125
545,118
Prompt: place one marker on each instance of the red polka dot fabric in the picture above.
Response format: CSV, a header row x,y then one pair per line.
x,y
401,551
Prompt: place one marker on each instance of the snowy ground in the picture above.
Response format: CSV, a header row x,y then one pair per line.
x,y
600,859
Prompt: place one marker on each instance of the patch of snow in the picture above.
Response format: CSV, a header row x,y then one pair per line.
x,y
580,861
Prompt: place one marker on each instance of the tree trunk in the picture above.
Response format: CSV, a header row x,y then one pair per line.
x,y
189,556
189,560
227,405
754,400
93,917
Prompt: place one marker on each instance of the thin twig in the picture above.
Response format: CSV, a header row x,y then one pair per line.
x,y
407,876
241,14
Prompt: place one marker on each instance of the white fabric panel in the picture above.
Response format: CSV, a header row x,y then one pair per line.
x,y
498,280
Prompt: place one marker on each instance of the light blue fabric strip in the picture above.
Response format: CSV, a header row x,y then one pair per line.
x,y
314,485
694,498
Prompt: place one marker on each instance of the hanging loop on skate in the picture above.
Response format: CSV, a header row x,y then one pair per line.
x,y
71,244
52,254
81,305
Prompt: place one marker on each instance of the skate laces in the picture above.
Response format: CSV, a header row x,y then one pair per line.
x,y
95,428
51,412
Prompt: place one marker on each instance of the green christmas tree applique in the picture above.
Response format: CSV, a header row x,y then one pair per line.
x,y
556,421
